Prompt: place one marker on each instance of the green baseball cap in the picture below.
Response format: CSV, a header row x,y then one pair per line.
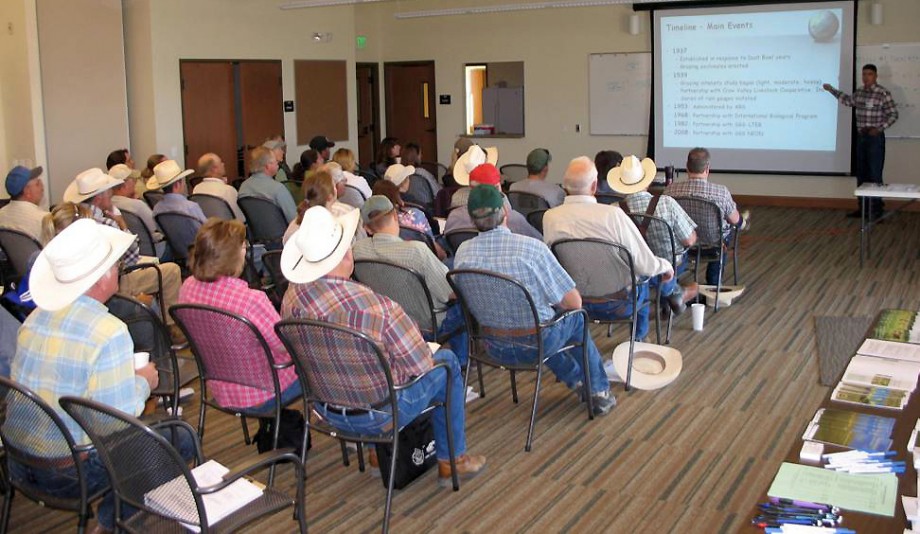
x,y
485,200
537,160
374,207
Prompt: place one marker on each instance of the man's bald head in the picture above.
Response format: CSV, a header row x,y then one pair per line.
x,y
580,176
210,165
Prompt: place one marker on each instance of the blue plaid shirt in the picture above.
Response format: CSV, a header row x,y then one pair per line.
x,y
523,258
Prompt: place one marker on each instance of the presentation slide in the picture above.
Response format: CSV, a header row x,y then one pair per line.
x,y
745,82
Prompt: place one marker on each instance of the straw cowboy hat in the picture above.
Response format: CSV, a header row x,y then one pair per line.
x,y
471,159
318,245
88,184
121,172
165,173
397,173
631,175
654,366
75,260
725,297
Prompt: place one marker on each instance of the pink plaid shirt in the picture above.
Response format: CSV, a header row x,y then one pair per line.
x,y
234,295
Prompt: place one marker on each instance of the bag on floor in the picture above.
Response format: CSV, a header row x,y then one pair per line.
x,y
290,432
416,453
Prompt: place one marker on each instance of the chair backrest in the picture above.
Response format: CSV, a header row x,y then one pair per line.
x,y
535,218
600,268
708,218
660,228
338,365
180,231
145,243
405,286
608,198
213,206
266,220
138,461
152,197
514,172
421,191
438,170
19,248
227,347
411,234
456,237
272,262
352,196
369,175
525,203
494,300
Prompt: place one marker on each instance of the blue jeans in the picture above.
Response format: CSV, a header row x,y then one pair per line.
x,y
411,402
565,365
460,342
870,161
287,396
64,483
714,268
622,309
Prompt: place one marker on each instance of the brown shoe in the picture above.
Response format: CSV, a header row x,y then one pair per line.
x,y
691,291
373,462
468,466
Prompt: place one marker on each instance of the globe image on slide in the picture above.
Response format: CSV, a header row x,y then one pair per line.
x,y
823,26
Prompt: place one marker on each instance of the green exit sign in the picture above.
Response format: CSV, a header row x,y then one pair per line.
x,y
361,42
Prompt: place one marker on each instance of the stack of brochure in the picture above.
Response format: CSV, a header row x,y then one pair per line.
x,y
877,381
853,430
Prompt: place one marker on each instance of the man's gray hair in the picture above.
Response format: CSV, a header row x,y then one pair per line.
x,y
579,176
259,158
489,222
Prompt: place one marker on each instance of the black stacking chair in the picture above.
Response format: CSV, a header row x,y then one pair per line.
x,y
317,346
139,461
213,206
405,286
180,231
23,412
656,225
608,198
709,244
438,170
513,172
19,248
501,314
603,272
411,234
455,238
272,262
152,197
145,241
535,218
525,203
266,221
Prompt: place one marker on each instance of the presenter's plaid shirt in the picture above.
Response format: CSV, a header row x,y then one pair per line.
x,y
875,108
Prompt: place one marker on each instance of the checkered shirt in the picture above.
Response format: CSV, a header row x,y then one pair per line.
x,y
523,258
348,303
235,296
875,108
133,254
79,350
702,188
413,255
669,210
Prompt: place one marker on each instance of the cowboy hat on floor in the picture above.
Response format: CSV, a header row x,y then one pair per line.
x,y
654,366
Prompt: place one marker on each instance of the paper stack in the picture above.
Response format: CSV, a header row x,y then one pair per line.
x,y
877,381
852,430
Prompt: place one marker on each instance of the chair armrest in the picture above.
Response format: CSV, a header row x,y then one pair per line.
x,y
139,266
89,447
183,427
279,456
564,315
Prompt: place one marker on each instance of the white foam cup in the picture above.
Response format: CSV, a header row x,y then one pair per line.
x,y
141,359
698,310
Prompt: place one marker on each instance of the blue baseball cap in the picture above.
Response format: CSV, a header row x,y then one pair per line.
x,y
18,177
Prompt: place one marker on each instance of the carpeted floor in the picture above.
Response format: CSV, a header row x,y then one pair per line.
x,y
693,457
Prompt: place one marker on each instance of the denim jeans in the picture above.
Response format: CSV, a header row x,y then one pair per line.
x,y
870,161
460,342
64,483
622,309
411,402
565,365
287,396
714,268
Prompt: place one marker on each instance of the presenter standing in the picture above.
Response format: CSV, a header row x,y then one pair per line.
x,y
875,112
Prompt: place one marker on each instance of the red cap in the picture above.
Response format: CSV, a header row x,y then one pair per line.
x,y
486,174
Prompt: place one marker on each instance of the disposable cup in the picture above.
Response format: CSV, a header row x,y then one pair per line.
x,y
141,359
698,310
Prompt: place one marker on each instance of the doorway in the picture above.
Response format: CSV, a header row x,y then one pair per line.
x,y
411,105
368,77
229,107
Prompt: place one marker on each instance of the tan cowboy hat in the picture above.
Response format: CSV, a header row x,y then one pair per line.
x,y
88,184
631,175
397,173
726,296
471,159
75,260
654,366
165,173
318,245
121,172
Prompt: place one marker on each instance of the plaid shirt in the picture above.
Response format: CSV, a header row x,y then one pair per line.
x,y
874,106
133,254
348,303
669,210
234,295
525,259
80,350
703,188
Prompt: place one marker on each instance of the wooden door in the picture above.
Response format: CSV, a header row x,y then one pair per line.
x,y
260,104
368,112
412,106
208,113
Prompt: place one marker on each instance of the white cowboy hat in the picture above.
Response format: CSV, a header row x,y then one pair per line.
x,y
88,184
726,296
398,173
165,173
318,245
75,260
654,366
471,159
631,175
121,172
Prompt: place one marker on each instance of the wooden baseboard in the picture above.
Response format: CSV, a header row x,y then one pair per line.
x,y
820,203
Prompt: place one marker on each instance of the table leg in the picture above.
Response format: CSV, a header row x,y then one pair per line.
x,y
862,231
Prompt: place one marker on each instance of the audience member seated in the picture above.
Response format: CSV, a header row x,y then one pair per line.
x,y
124,199
147,173
381,220
71,345
604,161
344,195
537,168
263,165
387,154
409,216
346,158
279,149
310,160
93,189
531,263
318,190
321,144
216,262
698,185
487,174
398,175
318,261
23,212
214,182
170,177
121,156
412,155
464,165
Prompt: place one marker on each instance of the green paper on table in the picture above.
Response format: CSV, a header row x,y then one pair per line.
x,y
872,494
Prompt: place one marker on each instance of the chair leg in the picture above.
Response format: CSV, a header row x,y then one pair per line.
x,y
514,395
7,508
533,412
277,425
482,385
719,282
386,512
455,478
667,339
201,409
360,456
246,439
658,314
345,461
735,258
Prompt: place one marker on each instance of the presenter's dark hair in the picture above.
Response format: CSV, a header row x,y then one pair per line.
x,y
697,160
606,160
870,66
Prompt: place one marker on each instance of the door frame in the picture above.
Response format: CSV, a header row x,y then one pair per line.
x,y
375,103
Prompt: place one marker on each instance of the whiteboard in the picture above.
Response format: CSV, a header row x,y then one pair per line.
x,y
899,72
619,91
